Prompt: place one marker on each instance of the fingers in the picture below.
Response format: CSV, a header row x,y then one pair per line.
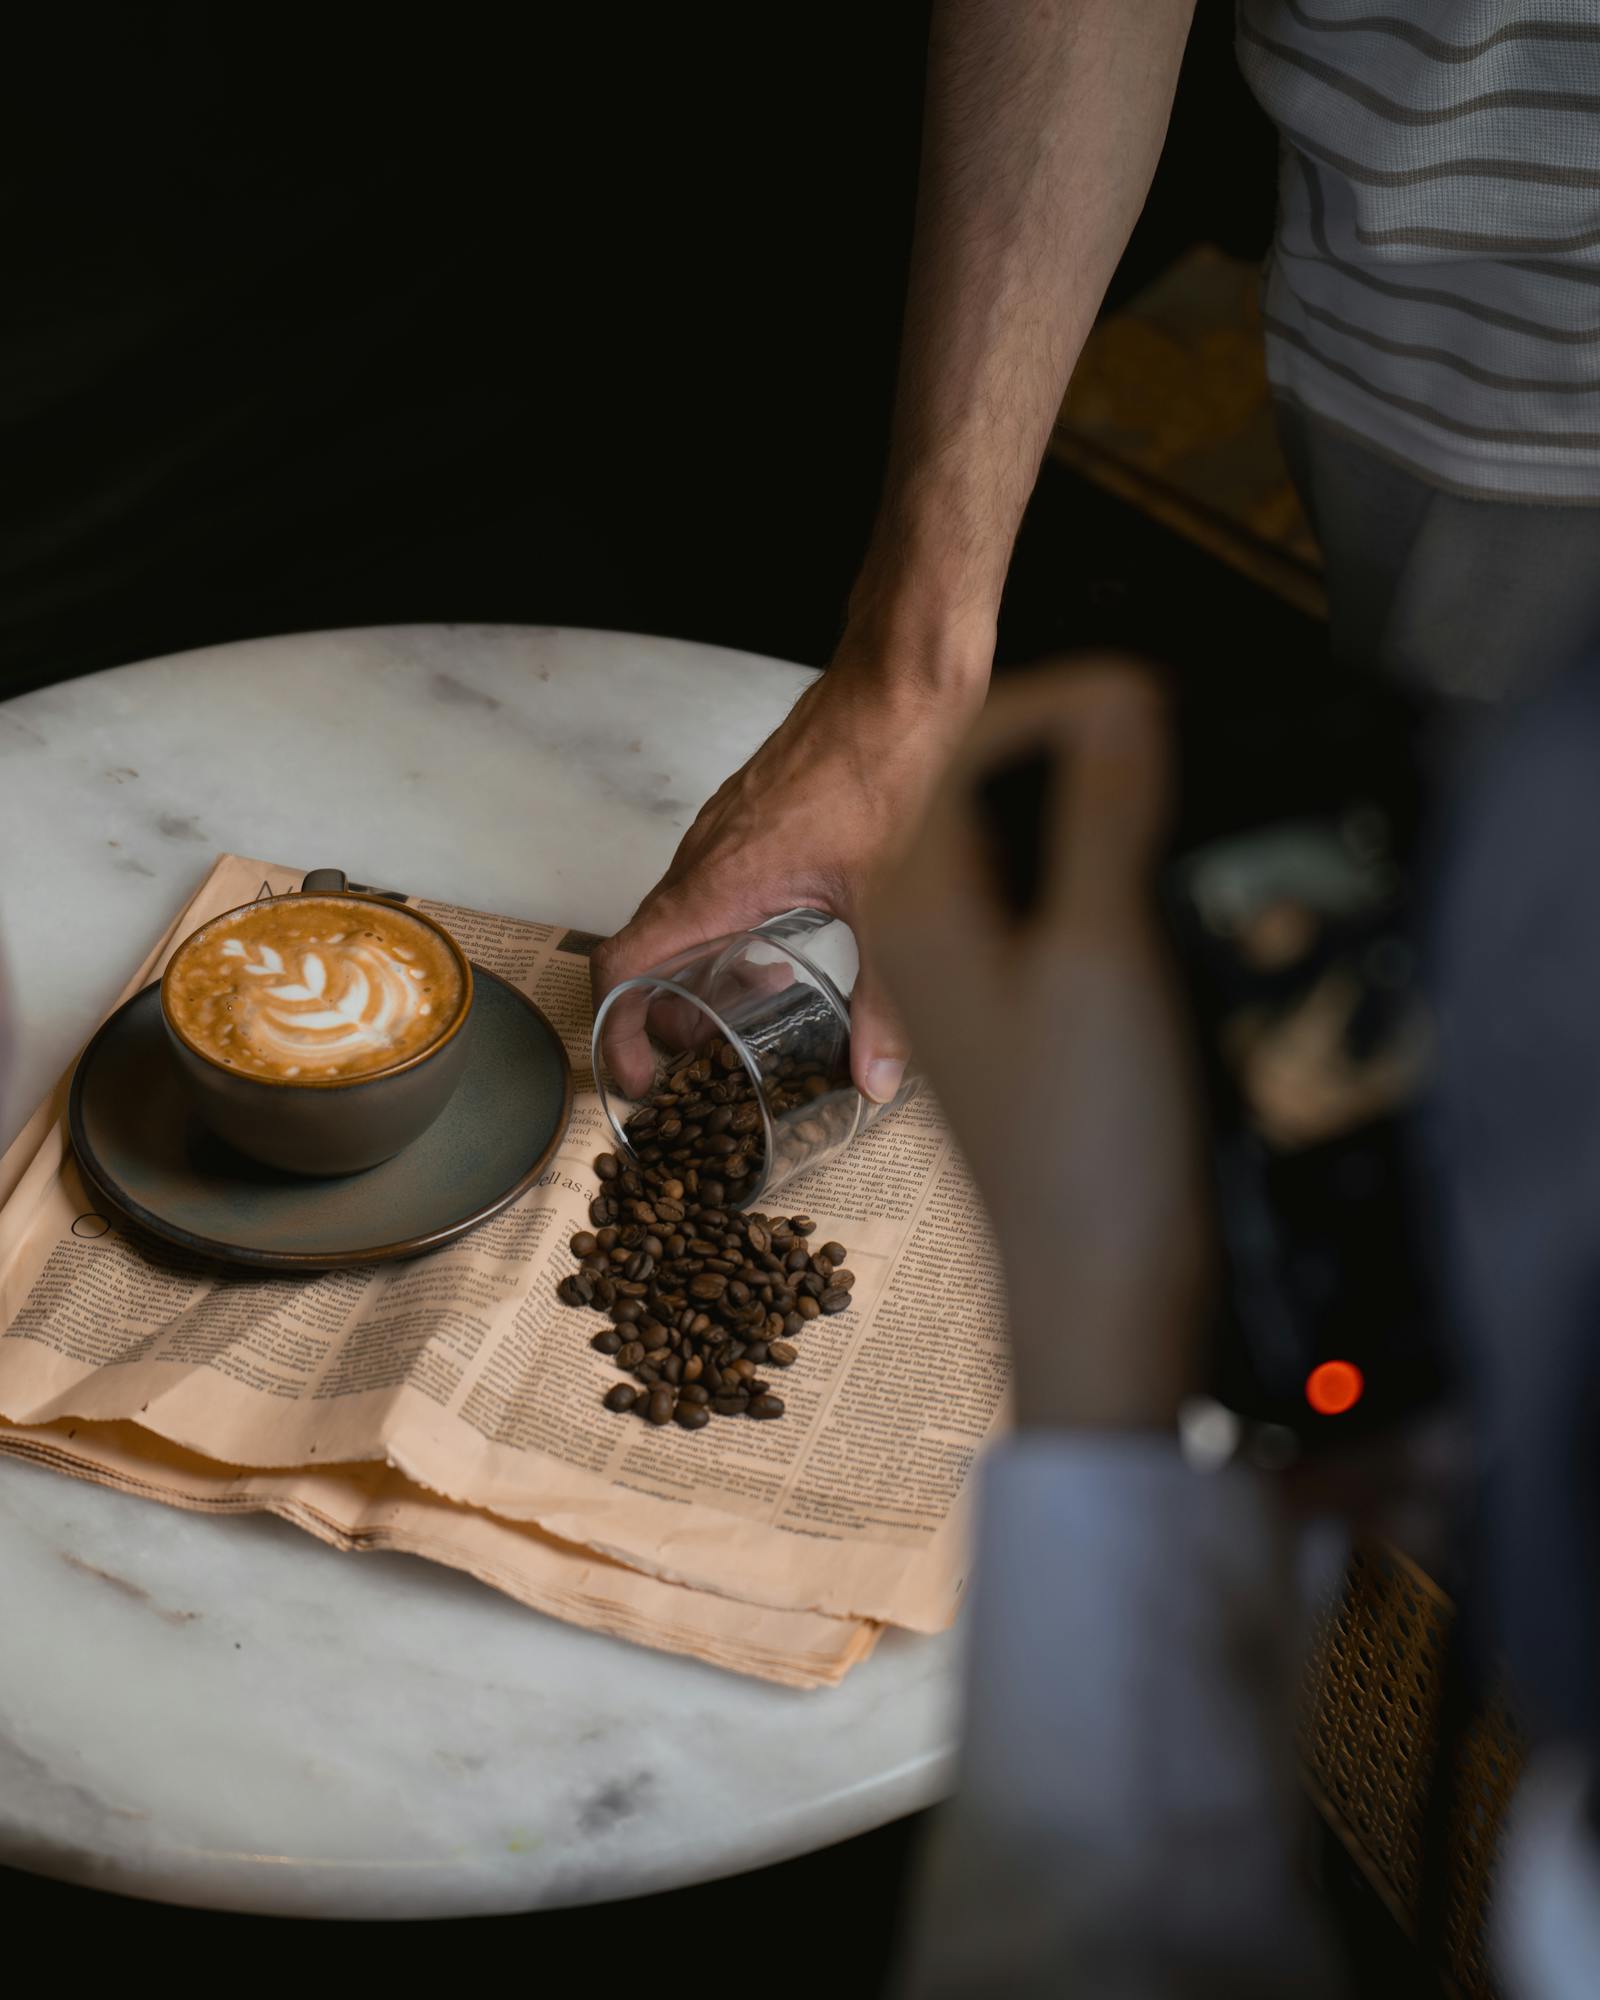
x,y
662,932
931,928
1104,723
625,1047
658,932
879,1046
1111,802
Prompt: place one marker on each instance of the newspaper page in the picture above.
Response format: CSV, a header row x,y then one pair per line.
x,y
463,1372
373,1507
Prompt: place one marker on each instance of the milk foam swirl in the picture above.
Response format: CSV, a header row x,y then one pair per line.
x,y
348,997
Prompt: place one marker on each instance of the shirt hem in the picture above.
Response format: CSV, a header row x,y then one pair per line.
x,y
1469,478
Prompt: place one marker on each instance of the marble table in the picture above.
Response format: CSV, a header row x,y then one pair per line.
x,y
224,1713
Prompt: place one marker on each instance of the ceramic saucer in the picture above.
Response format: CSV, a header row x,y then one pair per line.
x,y
145,1155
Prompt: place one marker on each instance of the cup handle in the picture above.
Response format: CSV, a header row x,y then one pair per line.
x,y
325,882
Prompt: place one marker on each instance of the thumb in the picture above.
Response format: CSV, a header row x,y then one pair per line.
x,y
656,932
879,1045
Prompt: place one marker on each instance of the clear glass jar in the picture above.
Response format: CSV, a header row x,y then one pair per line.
x,y
780,996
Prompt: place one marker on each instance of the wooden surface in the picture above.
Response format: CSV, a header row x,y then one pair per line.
x,y
1170,408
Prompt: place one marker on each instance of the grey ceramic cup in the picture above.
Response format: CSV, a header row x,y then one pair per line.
x,y
329,1125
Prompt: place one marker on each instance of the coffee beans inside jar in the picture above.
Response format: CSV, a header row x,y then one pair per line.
x,y
701,1299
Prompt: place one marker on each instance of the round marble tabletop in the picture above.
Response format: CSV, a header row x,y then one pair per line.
x,y
225,1713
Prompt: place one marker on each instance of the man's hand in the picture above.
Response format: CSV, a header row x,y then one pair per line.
x,y
825,801
1056,1047
1043,128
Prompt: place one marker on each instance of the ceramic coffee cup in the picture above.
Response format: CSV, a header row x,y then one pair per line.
x,y
321,1031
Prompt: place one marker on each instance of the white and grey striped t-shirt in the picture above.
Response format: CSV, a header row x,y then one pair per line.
x,y
1435,284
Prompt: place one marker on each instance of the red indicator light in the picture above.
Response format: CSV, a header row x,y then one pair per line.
x,y
1334,1387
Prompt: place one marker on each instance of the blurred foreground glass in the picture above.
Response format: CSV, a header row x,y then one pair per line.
x,y
780,996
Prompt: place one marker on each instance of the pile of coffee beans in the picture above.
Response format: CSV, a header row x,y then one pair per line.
x,y
701,1298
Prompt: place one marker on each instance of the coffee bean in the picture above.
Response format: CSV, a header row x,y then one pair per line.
x,y
700,1296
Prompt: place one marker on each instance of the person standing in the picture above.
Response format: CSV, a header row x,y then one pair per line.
x,y
1432,317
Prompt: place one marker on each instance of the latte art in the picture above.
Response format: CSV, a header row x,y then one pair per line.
x,y
314,987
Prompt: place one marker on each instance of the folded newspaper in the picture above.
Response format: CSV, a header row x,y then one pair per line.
x,y
451,1407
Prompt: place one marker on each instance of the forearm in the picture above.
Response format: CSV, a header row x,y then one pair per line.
x,y
1044,122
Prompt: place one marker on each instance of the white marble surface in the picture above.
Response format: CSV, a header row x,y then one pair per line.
x,y
224,1712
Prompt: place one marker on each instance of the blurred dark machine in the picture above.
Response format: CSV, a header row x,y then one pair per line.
x,y
1290,898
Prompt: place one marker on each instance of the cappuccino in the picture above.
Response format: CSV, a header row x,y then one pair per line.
x,y
313,988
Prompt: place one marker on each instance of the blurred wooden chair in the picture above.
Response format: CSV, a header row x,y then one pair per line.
x,y
1169,408
1370,1744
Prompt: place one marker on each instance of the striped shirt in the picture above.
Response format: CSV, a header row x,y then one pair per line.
x,y
1434,288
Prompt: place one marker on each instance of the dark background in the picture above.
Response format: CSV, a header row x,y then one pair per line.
x,y
519,314
353,318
